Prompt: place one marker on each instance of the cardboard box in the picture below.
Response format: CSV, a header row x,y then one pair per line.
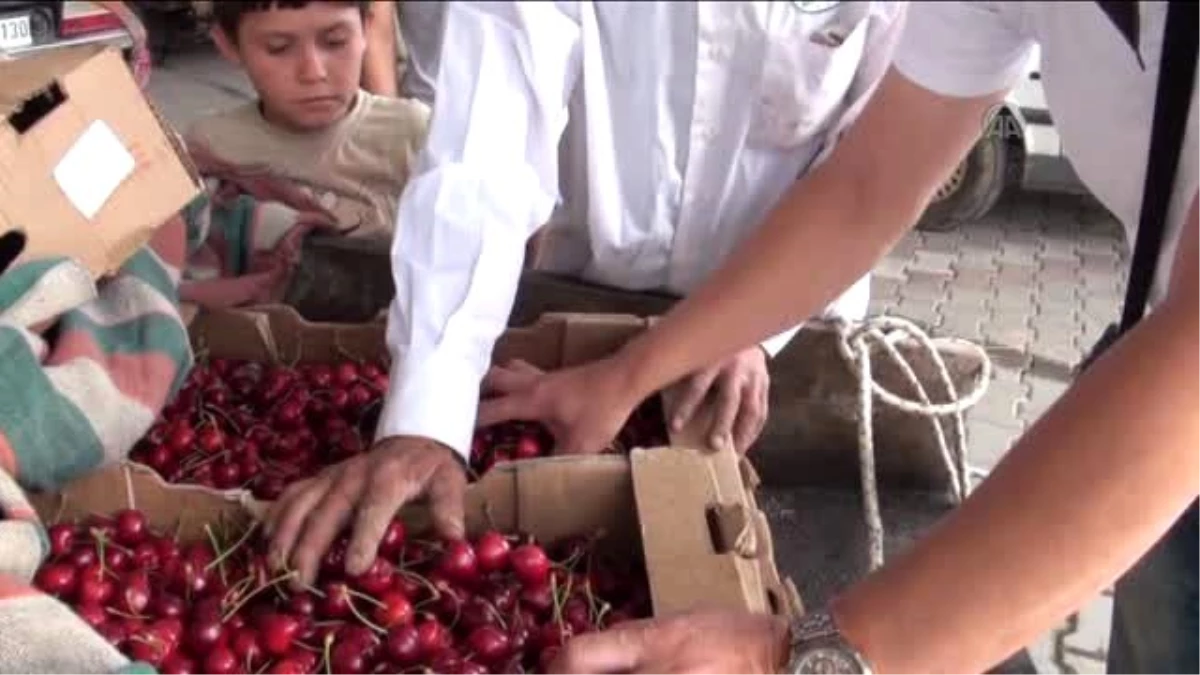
x,y
690,513
87,168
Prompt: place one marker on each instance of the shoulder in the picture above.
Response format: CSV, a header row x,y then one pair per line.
x,y
394,121
224,127
965,49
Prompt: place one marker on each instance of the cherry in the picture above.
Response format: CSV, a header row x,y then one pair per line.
x,y
403,645
392,543
278,632
62,538
115,559
320,376
345,374
288,667
377,579
181,438
145,556
56,579
360,396
491,552
149,646
302,605
178,664
210,440
204,634
490,644
432,638
469,667
247,648
347,657
221,661
458,562
530,565
92,614
94,586
395,610
135,593
226,474
82,557
527,448
336,603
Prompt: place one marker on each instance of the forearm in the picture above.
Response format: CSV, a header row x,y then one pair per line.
x,y
1082,495
379,63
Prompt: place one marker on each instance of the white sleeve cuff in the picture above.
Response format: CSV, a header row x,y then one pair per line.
x,y
437,398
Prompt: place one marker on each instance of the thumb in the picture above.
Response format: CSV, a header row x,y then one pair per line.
x,y
446,494
507,380
617,650
504,409
693,393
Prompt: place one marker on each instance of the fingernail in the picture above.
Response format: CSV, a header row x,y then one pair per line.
x,y
677,423
357,563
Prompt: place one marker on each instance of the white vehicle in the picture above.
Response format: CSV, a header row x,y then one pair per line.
x,y
29,27
1019,148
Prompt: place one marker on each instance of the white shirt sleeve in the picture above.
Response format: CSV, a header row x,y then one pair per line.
x,y
964,49
486,180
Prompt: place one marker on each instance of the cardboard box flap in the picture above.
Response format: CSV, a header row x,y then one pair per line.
x,y
86,169
679,493
598,490
277,334
169,508
23,78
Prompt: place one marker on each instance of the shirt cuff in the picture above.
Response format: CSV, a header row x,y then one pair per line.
x,y
437,398
774,345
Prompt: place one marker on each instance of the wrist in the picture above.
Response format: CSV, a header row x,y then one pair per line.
x,y
634,367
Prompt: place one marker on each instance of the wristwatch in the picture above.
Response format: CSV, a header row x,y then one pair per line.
x,y
818,647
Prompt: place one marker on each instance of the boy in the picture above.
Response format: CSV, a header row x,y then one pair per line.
x,y
314,141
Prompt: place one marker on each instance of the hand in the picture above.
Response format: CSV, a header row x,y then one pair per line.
x,y
584,407
369,488
697,642
741,385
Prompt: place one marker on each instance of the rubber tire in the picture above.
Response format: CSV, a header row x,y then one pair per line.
x,y
984,182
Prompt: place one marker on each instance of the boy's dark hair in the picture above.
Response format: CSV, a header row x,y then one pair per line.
x,y
228,13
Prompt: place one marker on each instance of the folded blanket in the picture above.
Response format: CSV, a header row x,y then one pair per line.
x,y
84,369
249,227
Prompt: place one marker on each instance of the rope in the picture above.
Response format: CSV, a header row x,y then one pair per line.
x,y
854,344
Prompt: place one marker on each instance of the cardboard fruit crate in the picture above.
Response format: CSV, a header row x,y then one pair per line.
x,y
690,512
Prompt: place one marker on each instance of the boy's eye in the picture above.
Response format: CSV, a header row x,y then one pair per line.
x,y
277,47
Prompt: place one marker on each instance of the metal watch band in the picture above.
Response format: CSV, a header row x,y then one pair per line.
x,y
818,647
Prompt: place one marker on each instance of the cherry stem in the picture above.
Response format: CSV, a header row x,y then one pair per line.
x,y
220,559
228,420
327,650
358,615
124,615
241,603
423,581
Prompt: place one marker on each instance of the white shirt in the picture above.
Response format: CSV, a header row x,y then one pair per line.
x,y
1101,100
688,122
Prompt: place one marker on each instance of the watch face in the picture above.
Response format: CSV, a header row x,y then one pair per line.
x,y
826,660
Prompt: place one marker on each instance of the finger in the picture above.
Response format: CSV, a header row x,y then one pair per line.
x,y
750,419
446,493
326,520
506,380
729,399
505,409
524,367
387,491
293,513
698,385
617,650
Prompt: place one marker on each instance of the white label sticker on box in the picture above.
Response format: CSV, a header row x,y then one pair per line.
x,y
93,168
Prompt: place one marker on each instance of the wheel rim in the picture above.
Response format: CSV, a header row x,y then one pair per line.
x,y
953,183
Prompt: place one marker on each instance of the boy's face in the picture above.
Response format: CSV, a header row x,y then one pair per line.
x,y
306,63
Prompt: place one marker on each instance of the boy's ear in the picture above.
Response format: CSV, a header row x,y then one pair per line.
x,y
226,45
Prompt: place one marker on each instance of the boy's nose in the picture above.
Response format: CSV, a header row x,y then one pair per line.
x,y
312,68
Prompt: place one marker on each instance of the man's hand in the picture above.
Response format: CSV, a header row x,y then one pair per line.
x,y
584,407
698,642
368,490
741,386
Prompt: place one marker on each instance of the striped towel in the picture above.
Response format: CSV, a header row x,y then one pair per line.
x,y
84,368
248,227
